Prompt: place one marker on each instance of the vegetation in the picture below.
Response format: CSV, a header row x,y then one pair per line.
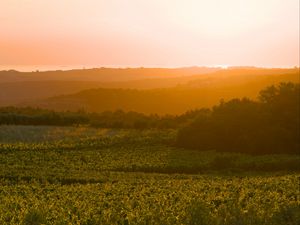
x,y
83,175
194,168
107,119
26,87
89,149
270,125
176,100
153,199
143,90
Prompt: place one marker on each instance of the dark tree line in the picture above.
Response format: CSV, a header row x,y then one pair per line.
x,y
269,125
37,116
107,119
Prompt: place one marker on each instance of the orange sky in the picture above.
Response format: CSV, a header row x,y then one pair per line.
x,y
166,33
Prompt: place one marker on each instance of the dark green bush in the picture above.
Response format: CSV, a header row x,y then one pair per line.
x,y
34,217
198,214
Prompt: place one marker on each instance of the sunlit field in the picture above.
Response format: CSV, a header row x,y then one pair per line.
x,y
81,175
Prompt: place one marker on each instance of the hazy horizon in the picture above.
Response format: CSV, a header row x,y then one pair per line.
x,y
43,68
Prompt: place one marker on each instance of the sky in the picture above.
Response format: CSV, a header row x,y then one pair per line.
x,y
156,33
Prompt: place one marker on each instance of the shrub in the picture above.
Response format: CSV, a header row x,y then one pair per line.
x,y
34,217
288,216
198,214
222,162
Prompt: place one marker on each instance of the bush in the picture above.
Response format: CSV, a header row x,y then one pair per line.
x,y
198,214
222,162
34,217
287,216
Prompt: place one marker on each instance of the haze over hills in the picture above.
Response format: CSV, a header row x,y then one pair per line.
x,y
17,87
102,74
20,92
188,93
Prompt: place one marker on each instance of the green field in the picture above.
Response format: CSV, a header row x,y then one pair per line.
x,y
80,175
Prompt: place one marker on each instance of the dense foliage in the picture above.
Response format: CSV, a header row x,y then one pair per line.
x,y
142,199
107,119
143,90
270,125
48,152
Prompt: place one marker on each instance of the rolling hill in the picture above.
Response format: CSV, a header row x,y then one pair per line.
x,y
203,92
17,87
102,74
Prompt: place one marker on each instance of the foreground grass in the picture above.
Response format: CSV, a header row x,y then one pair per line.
x,y
51,175
154,199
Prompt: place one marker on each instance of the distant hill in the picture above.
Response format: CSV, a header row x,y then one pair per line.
x,y
102,74
202,92
242,76
17,87
28,87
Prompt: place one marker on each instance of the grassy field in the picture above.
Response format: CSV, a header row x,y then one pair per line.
x,y
80,175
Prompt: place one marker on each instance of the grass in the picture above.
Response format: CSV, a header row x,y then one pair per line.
x,y
79,175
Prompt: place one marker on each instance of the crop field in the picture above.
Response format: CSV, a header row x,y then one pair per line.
x,y
81,175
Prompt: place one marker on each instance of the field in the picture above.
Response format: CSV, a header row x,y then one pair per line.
x,y
80,175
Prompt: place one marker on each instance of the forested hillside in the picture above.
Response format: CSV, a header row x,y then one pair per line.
x,y
25,88
267,125
204,92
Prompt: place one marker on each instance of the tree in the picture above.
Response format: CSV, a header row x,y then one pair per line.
x,y
270,125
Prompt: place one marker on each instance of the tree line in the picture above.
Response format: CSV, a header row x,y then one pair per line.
x,y
269,124
106,119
